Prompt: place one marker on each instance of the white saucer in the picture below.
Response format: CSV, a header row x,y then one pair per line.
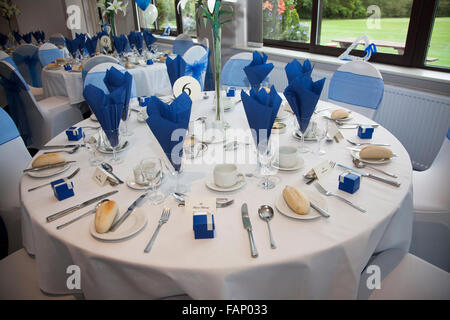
x,y
211,185
355,154
48,172
299,165
124,146
316,197
296,136
131,226
133,185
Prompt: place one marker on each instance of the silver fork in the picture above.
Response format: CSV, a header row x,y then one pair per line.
x,y
164,218
358,144
328,193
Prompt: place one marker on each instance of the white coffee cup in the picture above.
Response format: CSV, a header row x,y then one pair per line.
x,y
226,175
288,157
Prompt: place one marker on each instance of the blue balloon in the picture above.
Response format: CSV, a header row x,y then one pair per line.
x,y
143,4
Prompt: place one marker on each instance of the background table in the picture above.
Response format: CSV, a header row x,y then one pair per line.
x,y
149,80
317,259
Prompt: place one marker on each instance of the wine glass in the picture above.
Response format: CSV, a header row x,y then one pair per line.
x,y
303,148
113,136
124,128
266,154
91,143
320,132
151,169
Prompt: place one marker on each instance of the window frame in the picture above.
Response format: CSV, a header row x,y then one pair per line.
x,y
418,38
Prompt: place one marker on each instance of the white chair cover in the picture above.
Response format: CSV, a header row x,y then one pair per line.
x,y
358,86
15,157
233,74
39,122
92,62
196,59
26,59
48,53
182,43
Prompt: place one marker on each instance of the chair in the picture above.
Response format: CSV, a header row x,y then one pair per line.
x,y
182,43
38,93
197,60
19,279
48,53
431,228
57,39
358,86
15,157
92,62
405,277
27,59
233,74
38,122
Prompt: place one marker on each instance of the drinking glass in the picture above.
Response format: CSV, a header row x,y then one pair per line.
x,y
91,143
124,128
113,136
266,154
151,169
303,148
320,132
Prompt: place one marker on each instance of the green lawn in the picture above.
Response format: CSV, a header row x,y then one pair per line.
x,y
392,29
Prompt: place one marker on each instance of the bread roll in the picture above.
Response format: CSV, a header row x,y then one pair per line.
x,y
375,152
105,215
53,65
128,65
60,60
339,114
48,159
297,201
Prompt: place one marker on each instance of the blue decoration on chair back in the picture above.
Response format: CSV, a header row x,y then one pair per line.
x,y
9,130
28,55
14,84
10,61
355,89
58,41
233,74
97,79
181,46
197,69
50,55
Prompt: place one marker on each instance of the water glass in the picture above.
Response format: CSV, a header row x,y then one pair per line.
x,y
266,154
151,169
91,143
320,132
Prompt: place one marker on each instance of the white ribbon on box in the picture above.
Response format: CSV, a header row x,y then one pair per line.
x,y
209,219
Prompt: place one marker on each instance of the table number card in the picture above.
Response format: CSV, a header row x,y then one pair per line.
x,y
323,169
333,131
189,85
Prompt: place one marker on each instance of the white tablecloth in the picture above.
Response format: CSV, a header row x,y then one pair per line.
x,y
149,80
317,259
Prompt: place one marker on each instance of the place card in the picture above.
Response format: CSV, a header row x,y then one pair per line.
x,y
333,131
203,210
322,170
100,176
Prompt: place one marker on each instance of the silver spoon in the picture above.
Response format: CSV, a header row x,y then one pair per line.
x,y
266,213
360,164
109,169
82,216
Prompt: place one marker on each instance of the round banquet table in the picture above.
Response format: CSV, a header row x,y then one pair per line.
x,y
315,259
149,80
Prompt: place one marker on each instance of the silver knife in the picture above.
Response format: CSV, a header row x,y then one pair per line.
x,y
319,209
138,202
369,175
62,146
62,213
248,227
355,125
50,166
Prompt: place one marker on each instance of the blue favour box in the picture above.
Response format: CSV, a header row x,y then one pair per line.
x,y
204,227
67,67
365,132
231,92
62,188
349,182
149,62
74,133
143,101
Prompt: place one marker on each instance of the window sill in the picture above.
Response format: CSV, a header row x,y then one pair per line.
x,y
415,73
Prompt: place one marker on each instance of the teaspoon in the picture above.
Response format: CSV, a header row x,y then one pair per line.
x,y
109,169
266,213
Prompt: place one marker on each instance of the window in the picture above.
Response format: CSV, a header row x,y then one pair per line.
x,y
168,15
402,29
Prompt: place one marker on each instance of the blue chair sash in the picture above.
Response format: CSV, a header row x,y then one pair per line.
x,y
197,68
17,107
355,89
57,41
32,63
234,75
48,56
9,130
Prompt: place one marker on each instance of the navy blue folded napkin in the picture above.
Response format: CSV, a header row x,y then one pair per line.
x,y
261,109
3,40
72,46
101,34
138,42
120,43
114,79
302,95
91,45
294,69
27,37
81,41
42,35
37,36
18,37
169,125
176,68
258,69
108,109
149,39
